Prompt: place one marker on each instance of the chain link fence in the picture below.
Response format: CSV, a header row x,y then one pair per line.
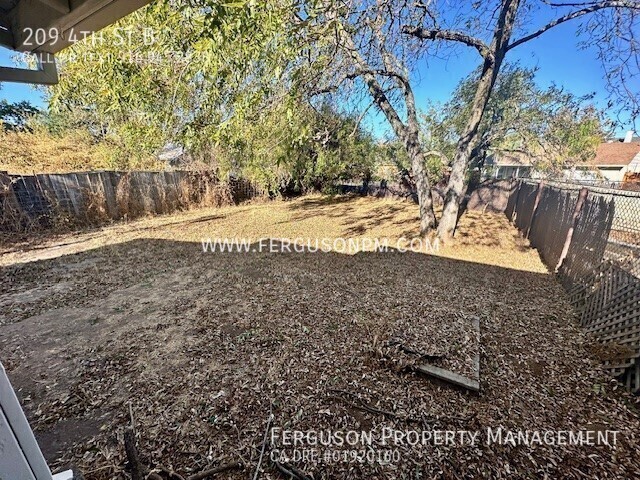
x,y
590,236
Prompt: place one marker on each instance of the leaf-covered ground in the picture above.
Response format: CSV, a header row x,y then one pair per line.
x,y
136,322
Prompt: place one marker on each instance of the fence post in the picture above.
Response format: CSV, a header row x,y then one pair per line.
x,y
5,180
7,195
514,213
574,223
535,206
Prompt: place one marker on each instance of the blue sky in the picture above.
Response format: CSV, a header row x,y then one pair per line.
x,y
14,92
556,54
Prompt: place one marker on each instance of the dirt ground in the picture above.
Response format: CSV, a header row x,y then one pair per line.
x,y
205,352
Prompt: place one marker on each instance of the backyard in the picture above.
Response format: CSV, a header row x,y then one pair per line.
x,y
206,352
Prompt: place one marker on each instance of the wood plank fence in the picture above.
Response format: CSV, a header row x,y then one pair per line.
x,y
491,195
591,238
86,198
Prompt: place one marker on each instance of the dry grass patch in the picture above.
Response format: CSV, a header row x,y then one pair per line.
x,y
201,347
484,238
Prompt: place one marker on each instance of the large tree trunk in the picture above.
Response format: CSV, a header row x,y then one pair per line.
x,y
457,186
409,133
455,192
428,220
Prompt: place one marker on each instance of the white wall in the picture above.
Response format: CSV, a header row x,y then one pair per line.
x,y
613,174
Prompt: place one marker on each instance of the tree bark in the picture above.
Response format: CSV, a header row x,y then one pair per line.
x,y
408,133
457,185
428,220
493,56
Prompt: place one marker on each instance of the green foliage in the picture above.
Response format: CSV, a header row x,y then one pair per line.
x,y
295,147
165,82
126,87
16,116
218,78
552,127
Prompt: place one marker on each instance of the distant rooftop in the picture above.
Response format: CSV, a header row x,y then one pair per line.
x,y
616,153
610,154
509,159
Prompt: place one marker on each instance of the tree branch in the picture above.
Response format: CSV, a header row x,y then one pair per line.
x,y
374,87
576,14
437,153
360,73
449,35
360,118
428,12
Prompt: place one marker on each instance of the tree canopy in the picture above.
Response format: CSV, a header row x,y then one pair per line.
x,y
551,126
220,80
248,86
16,116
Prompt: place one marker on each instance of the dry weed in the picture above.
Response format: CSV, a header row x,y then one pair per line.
x,y
123,194
217,195
129,198
95,206
185,194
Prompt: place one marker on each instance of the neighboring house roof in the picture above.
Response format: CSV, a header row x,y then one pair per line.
x,y
616,154
610,154
509,159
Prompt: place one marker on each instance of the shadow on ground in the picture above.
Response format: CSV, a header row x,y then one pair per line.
x,y
199,347
475,228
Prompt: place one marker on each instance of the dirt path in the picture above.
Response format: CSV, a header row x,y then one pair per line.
x,y
201,346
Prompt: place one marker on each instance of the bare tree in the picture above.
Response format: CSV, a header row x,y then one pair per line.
x,y
621,17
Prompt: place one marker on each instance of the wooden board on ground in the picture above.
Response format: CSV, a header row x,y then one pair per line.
x,y
451,377
472,384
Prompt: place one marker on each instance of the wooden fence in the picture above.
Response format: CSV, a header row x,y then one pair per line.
x,y
492,195
591,238
28,201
